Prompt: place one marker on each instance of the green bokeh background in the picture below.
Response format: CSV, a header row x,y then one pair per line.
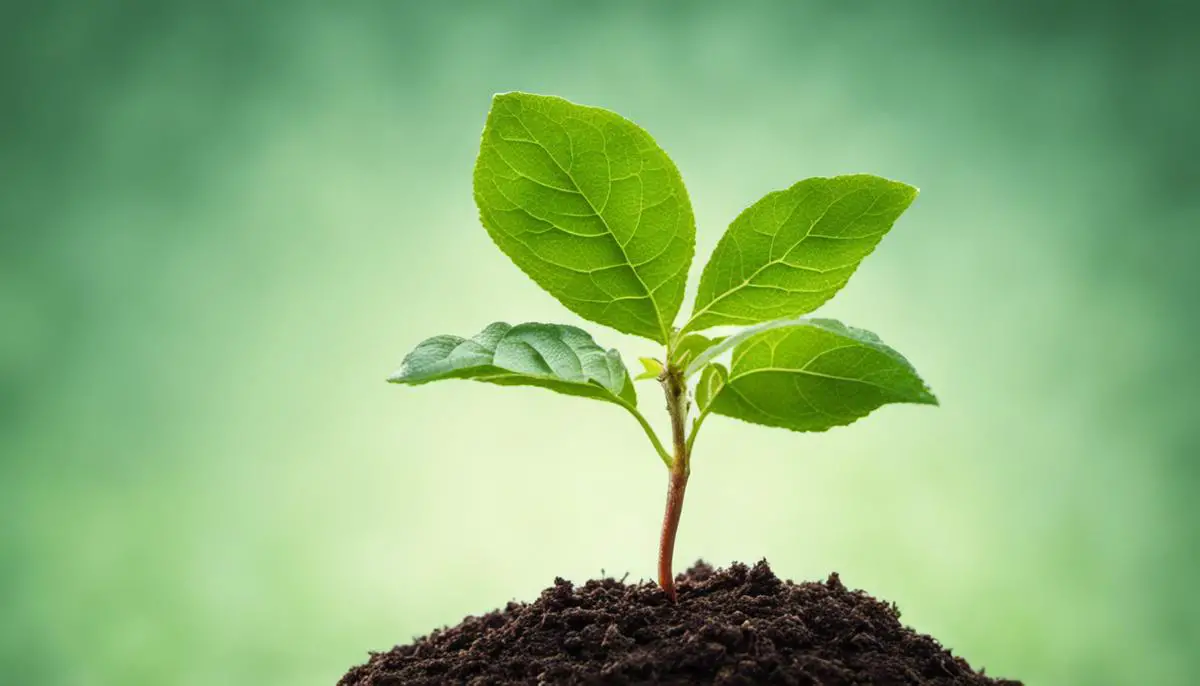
x,y
223,224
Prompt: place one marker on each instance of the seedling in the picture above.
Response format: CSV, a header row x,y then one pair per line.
x,y
590,208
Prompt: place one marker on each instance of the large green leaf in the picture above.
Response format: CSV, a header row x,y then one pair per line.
x,y
788,253
587,204
814,375
555,356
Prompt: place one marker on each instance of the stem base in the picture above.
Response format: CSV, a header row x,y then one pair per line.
x,y
666,545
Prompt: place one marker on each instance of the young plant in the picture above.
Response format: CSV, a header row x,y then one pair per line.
x,y
589,207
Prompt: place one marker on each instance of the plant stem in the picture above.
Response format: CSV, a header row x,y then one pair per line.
x,y
677,406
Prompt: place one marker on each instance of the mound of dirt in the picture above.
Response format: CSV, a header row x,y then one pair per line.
x,y
740,625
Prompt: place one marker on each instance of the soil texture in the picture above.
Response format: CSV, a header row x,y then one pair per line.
x,y
740,625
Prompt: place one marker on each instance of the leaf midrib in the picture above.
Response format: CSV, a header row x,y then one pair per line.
x,y
809,372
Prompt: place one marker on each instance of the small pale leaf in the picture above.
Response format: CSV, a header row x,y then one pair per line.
x,y
651,367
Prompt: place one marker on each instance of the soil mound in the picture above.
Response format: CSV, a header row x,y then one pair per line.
x,y
740,625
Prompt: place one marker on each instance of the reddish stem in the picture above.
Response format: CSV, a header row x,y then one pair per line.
x,y
677,406
666,545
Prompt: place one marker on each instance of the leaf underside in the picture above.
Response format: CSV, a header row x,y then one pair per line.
x,y
561,358
794,249
814,375
587,204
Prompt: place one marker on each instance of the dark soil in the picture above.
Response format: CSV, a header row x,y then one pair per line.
x,y
737,626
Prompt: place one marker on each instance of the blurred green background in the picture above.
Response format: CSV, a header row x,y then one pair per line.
x,y
224,224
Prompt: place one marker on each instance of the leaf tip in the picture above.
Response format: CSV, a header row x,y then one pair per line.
x,y
907,191
652,368
500,99
511,96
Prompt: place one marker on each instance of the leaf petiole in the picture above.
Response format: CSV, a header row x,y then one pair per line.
x,y
691,439
658,446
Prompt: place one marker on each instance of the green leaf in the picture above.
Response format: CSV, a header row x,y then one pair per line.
x,y
651,367
794,249
690,347
554,356
720,345
587,204
814,375
712,381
